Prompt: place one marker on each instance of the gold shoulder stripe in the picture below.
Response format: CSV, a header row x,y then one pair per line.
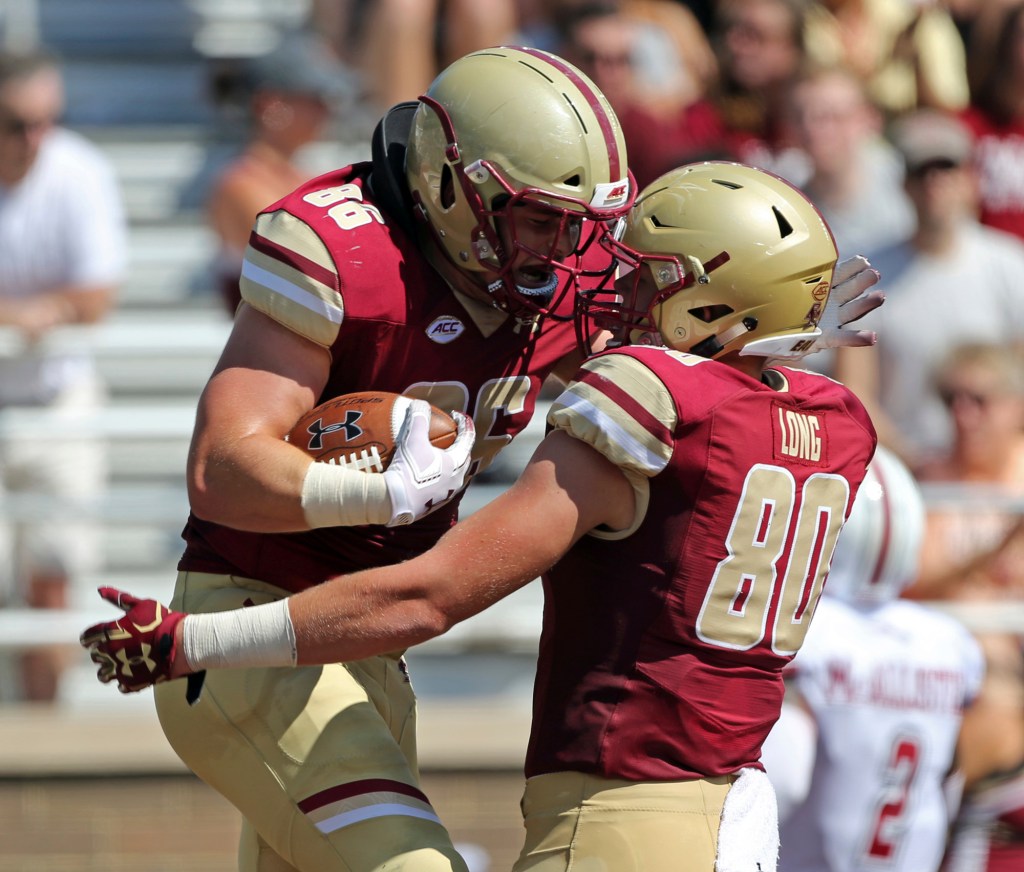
x,y
304,299
637,437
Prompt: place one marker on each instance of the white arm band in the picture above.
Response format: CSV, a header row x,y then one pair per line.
x,y
254,636
334,496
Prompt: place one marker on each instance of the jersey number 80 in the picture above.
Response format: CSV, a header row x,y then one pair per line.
x,y
768,525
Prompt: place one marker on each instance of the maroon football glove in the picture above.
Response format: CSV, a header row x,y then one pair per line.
x,y
138,650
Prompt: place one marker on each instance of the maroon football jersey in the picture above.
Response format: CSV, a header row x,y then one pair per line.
x,y
328,263
662,650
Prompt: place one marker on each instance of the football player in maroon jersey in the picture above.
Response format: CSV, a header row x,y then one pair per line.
x,y
682,511
445,268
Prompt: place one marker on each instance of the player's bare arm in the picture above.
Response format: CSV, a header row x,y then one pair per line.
x,y
567,489
240,471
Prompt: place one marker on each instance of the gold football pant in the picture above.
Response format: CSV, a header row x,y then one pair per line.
x,y
321,761
582,823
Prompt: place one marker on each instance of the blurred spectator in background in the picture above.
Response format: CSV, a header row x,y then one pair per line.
x,y
399,46
974,552
760,46
952,281
687,67
856,178
996,116
909,53
856,175
886,683
978,553
63,251
289,95
663,129
670,63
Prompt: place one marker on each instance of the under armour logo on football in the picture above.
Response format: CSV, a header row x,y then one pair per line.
x,y
316,430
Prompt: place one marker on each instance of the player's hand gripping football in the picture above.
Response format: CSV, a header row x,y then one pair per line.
x,y
422,477
137,650
850,300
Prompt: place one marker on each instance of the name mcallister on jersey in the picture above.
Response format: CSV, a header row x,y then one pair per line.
x,y
893,685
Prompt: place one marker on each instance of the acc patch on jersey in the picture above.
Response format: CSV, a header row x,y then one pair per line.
x,y
444,329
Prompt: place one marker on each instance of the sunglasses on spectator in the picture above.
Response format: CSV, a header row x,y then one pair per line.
x,y
950,394
943,164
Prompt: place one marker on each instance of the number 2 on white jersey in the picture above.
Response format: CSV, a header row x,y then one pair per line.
x,y
889,819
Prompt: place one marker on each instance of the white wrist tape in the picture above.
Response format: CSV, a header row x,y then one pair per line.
x,y
334,496
247,637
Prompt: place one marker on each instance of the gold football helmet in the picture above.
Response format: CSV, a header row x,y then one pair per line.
x,y
719,257
509,126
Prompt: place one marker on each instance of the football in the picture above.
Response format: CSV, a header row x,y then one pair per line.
x,y
359,430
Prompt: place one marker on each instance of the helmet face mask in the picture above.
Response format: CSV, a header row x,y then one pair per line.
x,y
638,303
530,246
740,259
505,128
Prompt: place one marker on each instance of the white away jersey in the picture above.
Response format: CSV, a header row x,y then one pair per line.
x,y
887,686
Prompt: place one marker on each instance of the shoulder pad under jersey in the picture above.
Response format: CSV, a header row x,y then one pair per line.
x,y
622,409
289,275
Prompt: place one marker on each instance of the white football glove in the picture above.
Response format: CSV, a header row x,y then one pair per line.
x,y
848,301
422,477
